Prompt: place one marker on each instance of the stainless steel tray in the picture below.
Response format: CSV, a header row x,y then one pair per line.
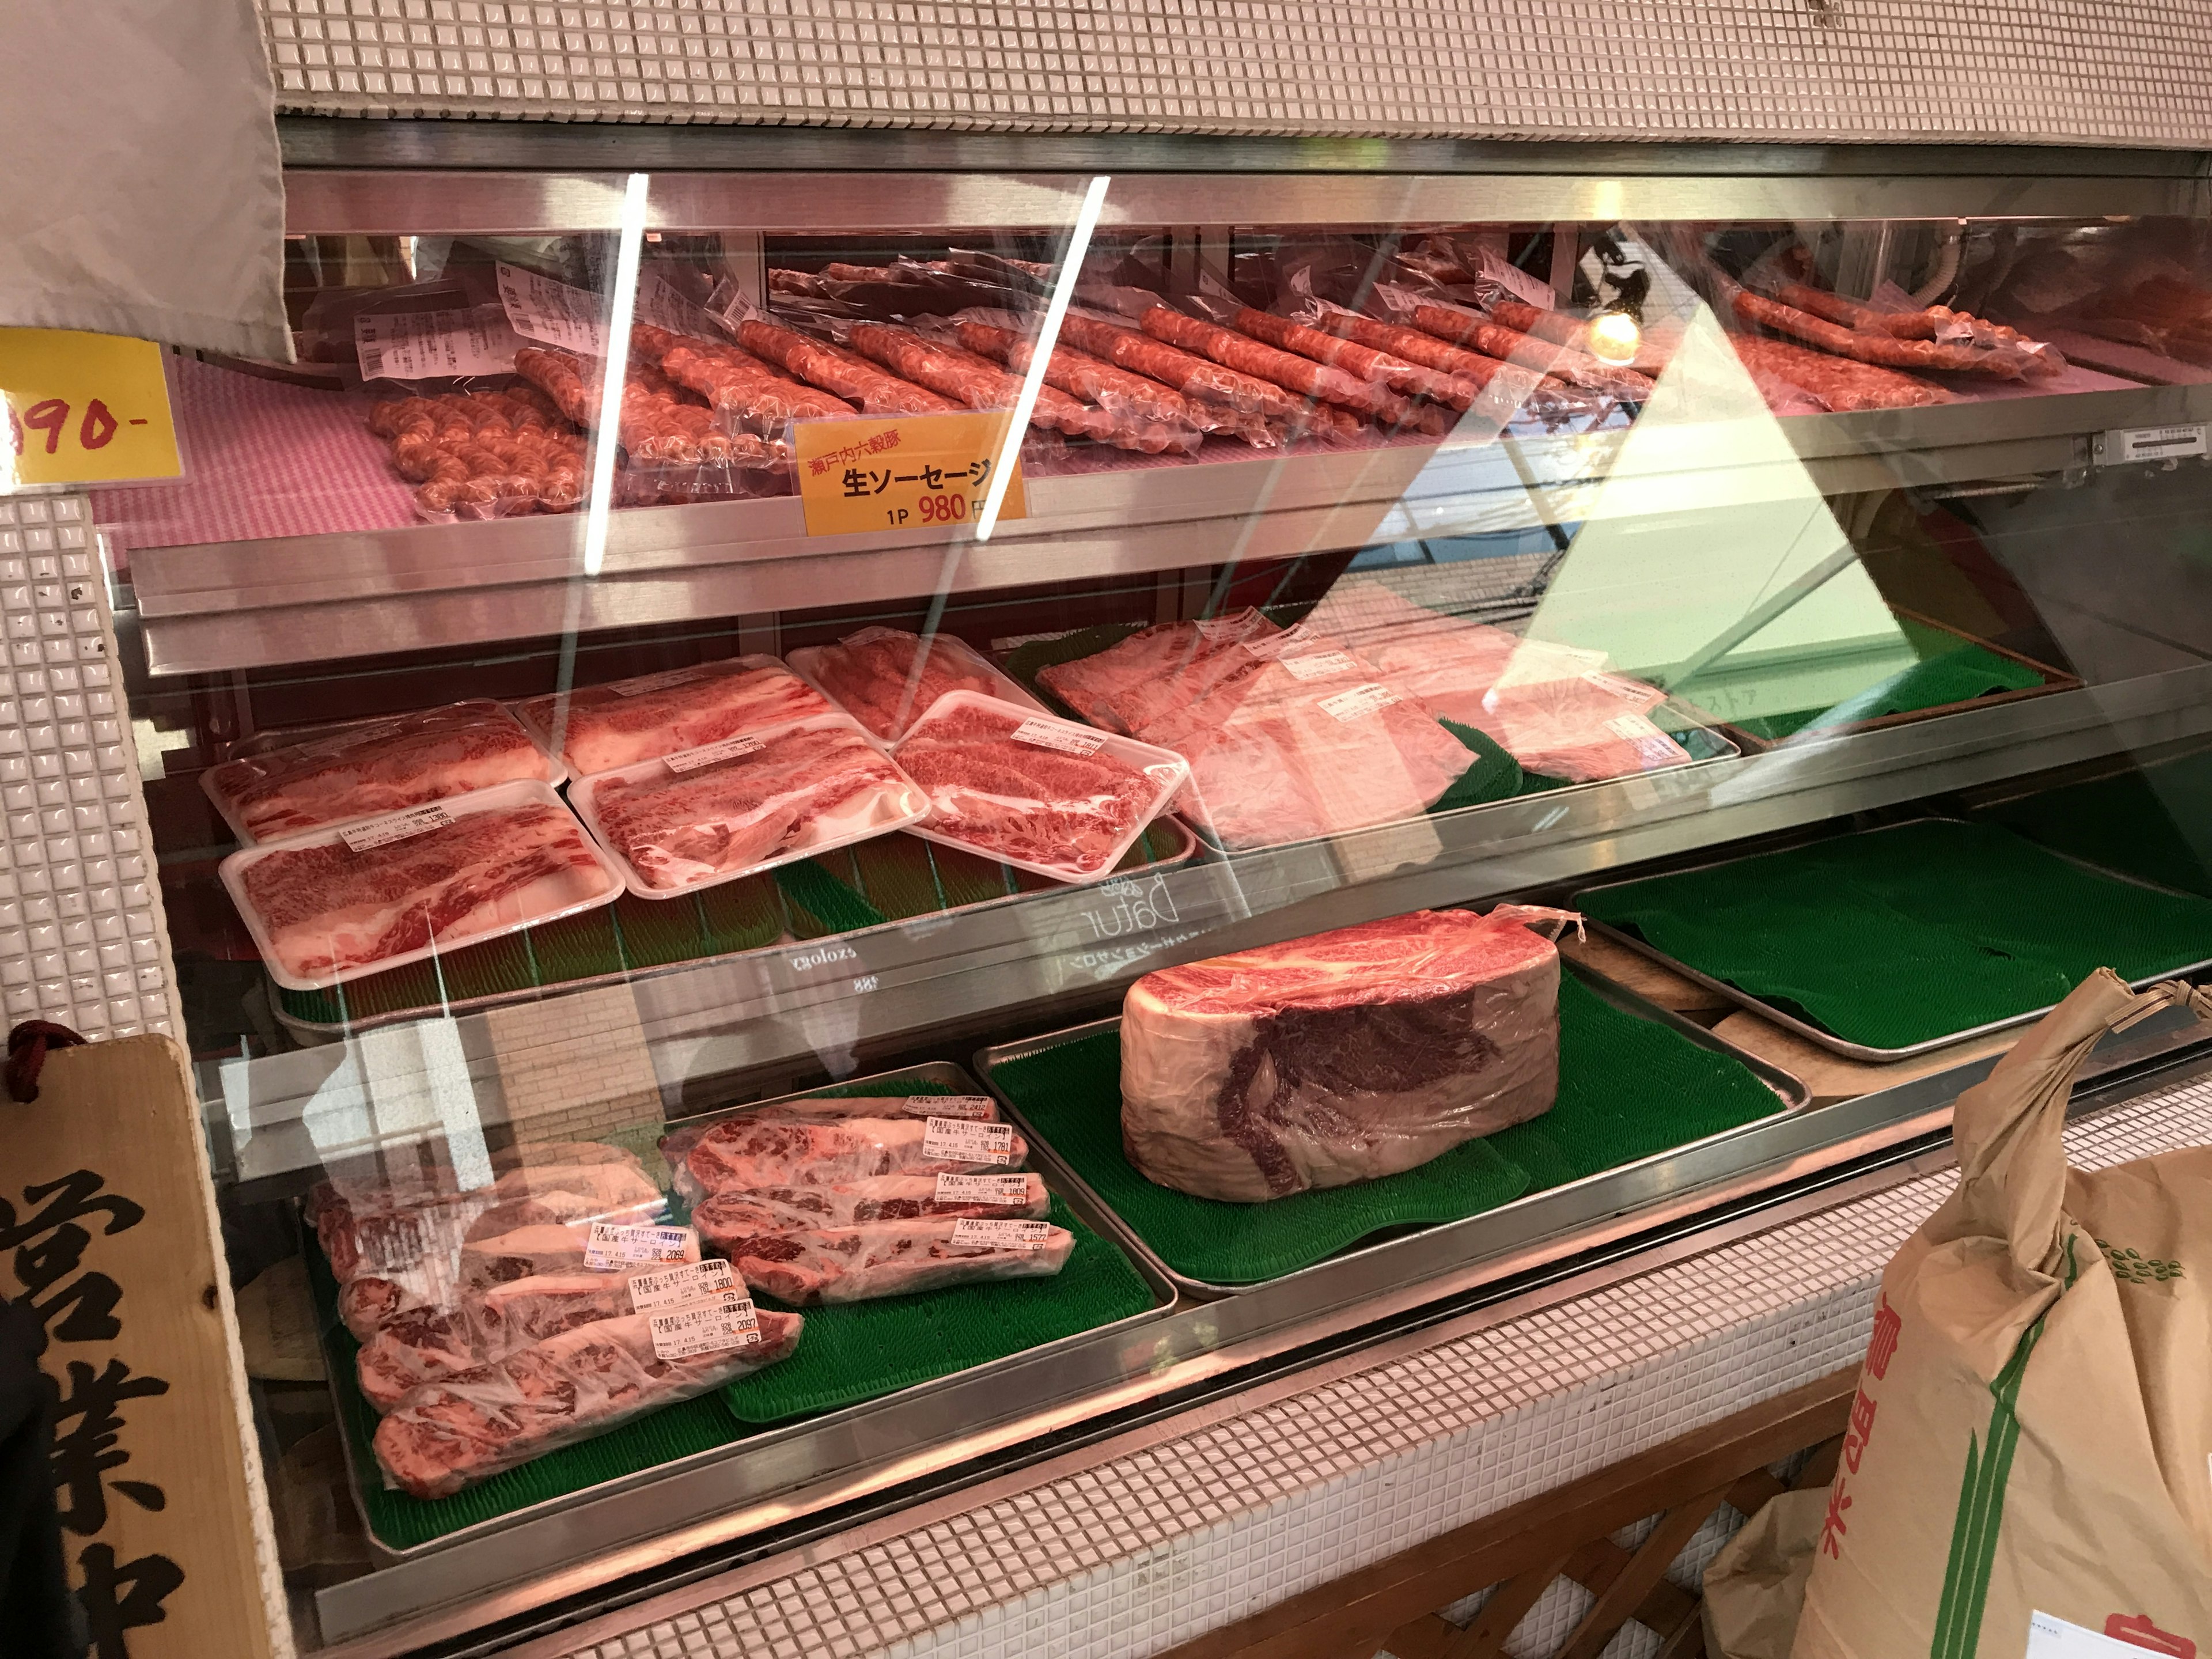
x,y
1186,847
954,1078
1828,1039
1792,1093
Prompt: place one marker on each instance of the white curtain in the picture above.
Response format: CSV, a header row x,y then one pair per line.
x,y
140,188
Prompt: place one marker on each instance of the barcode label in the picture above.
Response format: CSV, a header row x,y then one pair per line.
x,y
648,683
1002,1235
1051,734
1360,700
434,345
1518,282
1627,690
1322,666
372,833
1653,746
539,309
961,1140
687,1282
713,753
728,1321
612,1245
983,1189
980,1108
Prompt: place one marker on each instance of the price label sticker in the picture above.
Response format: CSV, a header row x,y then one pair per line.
x,y
1002,1235
979,1108
687,1281
539,309
1518,282
431,345
1358,701
1322,664
963,1140
82,409
728,1320
646,685
1051,734
918,473
983,1189
1628,690
372,833
1653,746
612,1245
713,753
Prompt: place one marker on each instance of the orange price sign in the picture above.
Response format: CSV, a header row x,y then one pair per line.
x,y
82,409
914,472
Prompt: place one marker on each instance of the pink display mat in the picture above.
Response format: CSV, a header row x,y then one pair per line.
x,y
262,458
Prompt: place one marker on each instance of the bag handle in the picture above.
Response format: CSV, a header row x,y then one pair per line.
x,y
2012,1161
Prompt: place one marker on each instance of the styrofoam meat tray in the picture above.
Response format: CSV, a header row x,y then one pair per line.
x,y
545,900
899,805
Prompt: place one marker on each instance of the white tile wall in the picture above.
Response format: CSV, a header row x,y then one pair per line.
x,y
1885,70
82,941
1156,1548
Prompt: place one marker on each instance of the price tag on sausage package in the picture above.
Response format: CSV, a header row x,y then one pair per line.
x,y
83,408
726,1322
612,1245
962,1140
917,473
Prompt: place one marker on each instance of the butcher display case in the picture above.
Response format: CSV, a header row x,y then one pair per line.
x,y
692,632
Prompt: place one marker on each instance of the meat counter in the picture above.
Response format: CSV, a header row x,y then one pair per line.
x,y
682,639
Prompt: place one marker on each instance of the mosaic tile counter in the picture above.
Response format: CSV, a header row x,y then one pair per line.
x,y
1128,1548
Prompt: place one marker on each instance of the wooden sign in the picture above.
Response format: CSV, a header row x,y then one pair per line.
x,y
917,473
83,408
107,1228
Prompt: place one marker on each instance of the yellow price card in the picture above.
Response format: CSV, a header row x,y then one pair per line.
x,y
83,408
914,472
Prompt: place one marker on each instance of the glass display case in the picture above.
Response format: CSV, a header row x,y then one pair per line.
x,y
679,640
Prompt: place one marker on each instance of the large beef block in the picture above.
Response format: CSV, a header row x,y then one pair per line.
x,y
1341,1057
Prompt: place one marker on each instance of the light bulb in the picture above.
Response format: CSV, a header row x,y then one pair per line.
x,y
1614,337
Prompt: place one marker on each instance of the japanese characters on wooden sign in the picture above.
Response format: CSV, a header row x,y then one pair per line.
x,y
106,1231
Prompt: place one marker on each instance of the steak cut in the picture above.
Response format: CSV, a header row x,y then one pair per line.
x,y
383,766
886,680
1006,797
326,909
1340,1057
468,1427
619,724
809,1268
744,1153
676,1146
737,1214
802,787
424,1345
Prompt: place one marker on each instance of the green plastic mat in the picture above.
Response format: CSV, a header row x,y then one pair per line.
x,y
890,879
400,1522
1958,675
2154,824
862,1349
1628,1087
1910,934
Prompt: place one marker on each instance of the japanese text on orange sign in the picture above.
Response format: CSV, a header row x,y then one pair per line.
x,y
82,409
918,472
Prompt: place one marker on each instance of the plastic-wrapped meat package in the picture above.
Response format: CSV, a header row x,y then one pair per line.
x,y
482,454
651,716
876,390
829,1264
714,814
1166,665
1340,1057
535,1250
738,1212
446,1436
676,1146
1232,350
739,1152
376,767
1553,707
322,912
885,679
1005,337
975,381
424,1345
737,384
1290,734
1040,794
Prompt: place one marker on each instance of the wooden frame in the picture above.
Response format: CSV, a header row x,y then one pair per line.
x,y
1564,1533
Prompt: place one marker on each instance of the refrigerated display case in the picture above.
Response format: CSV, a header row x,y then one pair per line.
x,y
1555,528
